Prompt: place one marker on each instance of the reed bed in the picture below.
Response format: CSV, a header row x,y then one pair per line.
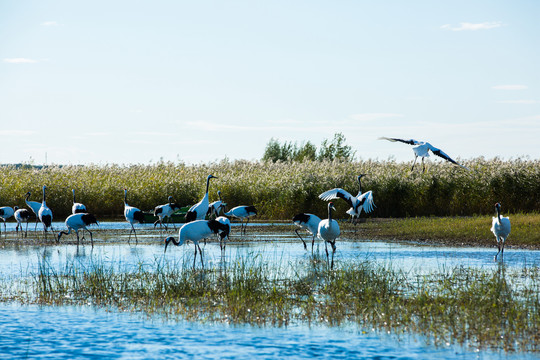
x,y
281,190
473,307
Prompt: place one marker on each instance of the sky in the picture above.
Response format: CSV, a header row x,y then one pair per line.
x,y
136,82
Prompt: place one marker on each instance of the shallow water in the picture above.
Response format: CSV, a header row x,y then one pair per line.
x,y
86,332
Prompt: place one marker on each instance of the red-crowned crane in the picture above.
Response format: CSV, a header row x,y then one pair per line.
x,y
196,231
362,201
310,223
77,207
329,232
216,207
34,206
165,211
5,213
21,215
132,214
500,227
199,210
77,222
223,234
45,214
242,212
422,149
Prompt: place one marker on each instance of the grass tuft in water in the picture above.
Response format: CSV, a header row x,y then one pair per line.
x,y
497,308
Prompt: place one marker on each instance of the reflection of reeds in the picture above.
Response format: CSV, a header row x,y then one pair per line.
x,y
281,190
481,308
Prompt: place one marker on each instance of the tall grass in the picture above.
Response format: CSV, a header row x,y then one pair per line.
x,y
280,190
481,308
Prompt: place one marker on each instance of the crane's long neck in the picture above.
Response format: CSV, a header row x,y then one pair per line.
x,y
329,215
169,239
44,195
359,185
26,197
498,214
73,196
207,184
125,197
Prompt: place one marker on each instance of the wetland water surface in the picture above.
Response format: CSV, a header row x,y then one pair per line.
x,y
88,332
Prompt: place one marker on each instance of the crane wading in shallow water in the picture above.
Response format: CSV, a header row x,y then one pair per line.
x,y
196,231
242,212
308,222
329,232
34,206
165,211
21,215
500,227
422,149
5,213
132,214
45,214
77,222
357,203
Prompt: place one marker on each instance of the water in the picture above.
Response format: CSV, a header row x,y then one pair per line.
x,y
70,332
86,333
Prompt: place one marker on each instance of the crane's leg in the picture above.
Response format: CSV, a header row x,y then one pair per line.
x,y
91,238
333,252
77,233
305,247
200,253
499,246
312,244
414,162
326,249
26,232
195,257
423,165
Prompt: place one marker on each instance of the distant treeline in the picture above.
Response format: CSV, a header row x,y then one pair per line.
x,y
279,190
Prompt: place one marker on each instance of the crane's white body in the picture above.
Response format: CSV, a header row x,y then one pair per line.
x,y
77,222
200,209
224,235
164,212
77,207
45,214
216,207
34,206
329,231
242,212
196,231
21,215
132,215
500,227
308,222
422,149
362,201
5,213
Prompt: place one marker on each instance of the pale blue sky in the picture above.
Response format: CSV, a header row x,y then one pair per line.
x,y
198,81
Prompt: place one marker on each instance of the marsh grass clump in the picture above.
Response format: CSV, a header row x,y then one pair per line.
x,y
496,308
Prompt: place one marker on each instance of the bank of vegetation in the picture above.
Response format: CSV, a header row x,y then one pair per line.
x,y
282,189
